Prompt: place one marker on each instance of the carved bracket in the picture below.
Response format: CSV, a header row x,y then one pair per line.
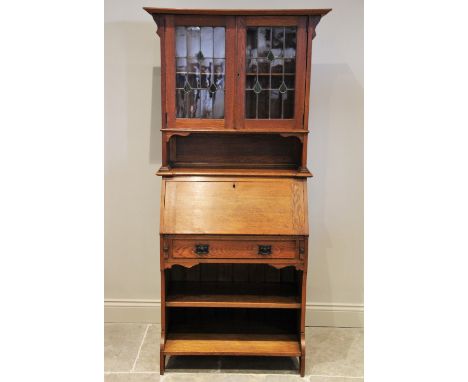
x,y
185,264
298,266
313,21
159,20
169,135
295,135
192,263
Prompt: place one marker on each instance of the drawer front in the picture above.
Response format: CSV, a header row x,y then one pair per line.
x,y
234,249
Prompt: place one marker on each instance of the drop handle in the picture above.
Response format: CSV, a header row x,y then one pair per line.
x,y
264,249
202,249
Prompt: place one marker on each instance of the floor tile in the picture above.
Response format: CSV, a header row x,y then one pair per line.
x,y
284,378
333,355
131,377
148,360
334,379
121,344
196,364
259,365
334,352
210,377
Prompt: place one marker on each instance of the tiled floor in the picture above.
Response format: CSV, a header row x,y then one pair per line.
x,y
132,355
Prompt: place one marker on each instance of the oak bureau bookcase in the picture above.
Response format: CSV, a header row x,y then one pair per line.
x,y
234,224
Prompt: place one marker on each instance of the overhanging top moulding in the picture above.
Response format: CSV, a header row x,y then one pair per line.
x,y
238,12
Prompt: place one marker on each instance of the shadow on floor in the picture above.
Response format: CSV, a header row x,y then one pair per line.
x,y
274,365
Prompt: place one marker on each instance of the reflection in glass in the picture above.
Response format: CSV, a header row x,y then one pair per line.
x,y
288,104
270,72
250,104
200,72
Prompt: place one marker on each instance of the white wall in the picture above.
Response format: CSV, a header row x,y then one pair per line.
x,y
132,156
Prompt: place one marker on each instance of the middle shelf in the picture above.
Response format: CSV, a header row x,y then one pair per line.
x,y
233,295
232,286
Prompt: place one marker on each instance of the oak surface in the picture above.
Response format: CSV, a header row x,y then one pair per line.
x,y
234,249
238,12
232,344
232,186
237,206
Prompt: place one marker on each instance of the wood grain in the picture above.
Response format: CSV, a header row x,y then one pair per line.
x,y
200,20
232,344
237,12
272,21
231,77
169,71
233,301
264,130
274,173
278,264
301,67
234,249
236,151
268,288
240,73
301,60
234,184
233,207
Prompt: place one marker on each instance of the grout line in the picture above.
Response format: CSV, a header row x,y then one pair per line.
x,y
131,372
240,373
139,349
335,376
219,364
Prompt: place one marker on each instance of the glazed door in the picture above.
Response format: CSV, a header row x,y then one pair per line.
x,y
200,72
271,60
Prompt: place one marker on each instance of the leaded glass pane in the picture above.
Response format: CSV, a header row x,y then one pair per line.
x,y
250,104
200,72
270,72
275,104
288,104
263,107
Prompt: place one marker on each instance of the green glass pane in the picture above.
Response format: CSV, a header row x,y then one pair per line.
x,y
257,88
270,56
283,88
213,88
187,87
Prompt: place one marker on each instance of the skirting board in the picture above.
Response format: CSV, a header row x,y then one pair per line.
x,y
149,311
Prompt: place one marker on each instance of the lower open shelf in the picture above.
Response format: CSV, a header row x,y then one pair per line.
x,y
285,345
228,331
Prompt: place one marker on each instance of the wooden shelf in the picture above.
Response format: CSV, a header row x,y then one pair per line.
x,y
233,301
233,295
272,130
232,344
184,171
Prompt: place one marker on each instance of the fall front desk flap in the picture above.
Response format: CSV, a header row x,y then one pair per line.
x,y
234,206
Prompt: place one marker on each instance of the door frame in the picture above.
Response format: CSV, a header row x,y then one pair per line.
x,y
296,123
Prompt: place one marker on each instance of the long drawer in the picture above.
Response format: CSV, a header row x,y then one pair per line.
x,y
234,249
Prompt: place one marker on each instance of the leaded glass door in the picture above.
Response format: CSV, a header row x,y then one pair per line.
x,y
200,73
271,57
